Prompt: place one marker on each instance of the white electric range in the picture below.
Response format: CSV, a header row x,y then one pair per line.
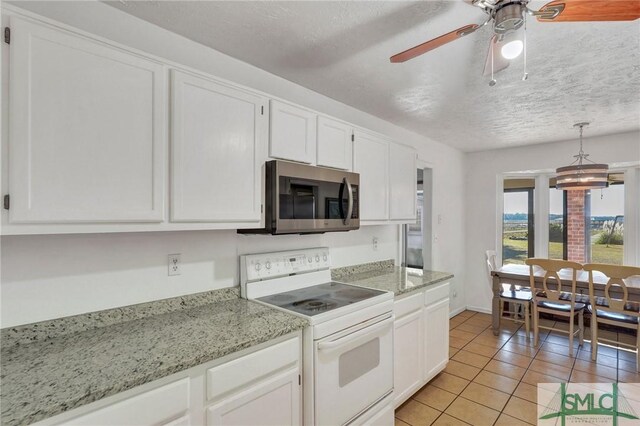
x,y
348,346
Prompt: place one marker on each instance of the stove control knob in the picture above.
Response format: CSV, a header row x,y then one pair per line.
x,y
267,265
309,259
317,258
258,266
324,257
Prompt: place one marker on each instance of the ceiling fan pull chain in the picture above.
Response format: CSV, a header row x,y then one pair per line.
x,y
525,76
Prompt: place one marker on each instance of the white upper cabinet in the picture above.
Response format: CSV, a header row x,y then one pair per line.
x,y
217,137
86,130
293,133
402,182
371,160
335,147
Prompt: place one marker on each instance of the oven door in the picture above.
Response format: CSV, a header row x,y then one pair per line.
x,y
353,370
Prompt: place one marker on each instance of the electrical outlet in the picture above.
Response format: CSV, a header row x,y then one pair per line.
x,y
175,264
375,243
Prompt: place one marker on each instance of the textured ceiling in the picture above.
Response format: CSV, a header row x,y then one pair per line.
x,y
577,71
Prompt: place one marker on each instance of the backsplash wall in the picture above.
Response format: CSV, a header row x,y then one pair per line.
x,y
45,277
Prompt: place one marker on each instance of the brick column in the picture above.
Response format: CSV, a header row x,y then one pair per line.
x,y
576,232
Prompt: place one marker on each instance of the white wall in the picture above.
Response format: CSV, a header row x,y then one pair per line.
x,y
45,277
485,168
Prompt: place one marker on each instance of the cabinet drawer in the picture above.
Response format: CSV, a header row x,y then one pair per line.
x,y
157,406
247,370
439,292
408,304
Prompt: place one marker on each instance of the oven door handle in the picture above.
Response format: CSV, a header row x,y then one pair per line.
x,y
356,335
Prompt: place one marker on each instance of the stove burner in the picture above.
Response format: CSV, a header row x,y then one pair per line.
x,y
314,304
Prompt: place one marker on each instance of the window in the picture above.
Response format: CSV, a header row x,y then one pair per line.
x,y
413,233
606,224
517,220
587,226
557,222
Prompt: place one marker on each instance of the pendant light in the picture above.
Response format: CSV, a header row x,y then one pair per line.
x,y
580,174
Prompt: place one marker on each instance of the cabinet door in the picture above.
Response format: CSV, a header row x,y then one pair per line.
x,y
402,182
371,160
408,345
334,144
436,344
87,130
273,402
217,132
293,133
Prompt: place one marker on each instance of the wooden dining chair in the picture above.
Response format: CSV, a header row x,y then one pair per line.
x,y
556,301
516,297
616,311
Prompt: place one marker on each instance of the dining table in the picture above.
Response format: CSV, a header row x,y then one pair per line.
x,y
518,275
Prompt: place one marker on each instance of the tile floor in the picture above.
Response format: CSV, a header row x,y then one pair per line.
x,y
491,380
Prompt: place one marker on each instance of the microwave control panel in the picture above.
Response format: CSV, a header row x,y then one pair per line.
x,y
263,266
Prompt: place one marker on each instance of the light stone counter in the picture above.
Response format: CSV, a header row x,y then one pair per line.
x,y
68,363
385,276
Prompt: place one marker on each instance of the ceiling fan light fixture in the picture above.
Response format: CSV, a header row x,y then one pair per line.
x,y
512,43
512,49
582,176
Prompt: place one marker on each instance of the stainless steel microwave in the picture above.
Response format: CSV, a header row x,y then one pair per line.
x,y
302,199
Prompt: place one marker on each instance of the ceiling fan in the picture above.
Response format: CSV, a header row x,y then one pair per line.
x,y
509,18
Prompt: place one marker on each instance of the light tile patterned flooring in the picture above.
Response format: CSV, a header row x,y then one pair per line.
x,y
491,380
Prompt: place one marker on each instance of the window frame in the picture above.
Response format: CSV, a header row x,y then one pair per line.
x,y
631,171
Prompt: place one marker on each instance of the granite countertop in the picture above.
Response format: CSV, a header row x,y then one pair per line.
x,y
49,375
386,276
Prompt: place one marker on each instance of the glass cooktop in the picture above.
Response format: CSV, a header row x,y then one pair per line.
x,y
321,298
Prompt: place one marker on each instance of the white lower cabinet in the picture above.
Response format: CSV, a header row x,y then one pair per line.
x,y
272,402
421,340
260,386
436,344
408,347
246,390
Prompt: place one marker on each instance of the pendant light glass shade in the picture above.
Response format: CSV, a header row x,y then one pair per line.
x,y
581,176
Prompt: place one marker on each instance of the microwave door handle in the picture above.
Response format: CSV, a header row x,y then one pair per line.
x,y
347,218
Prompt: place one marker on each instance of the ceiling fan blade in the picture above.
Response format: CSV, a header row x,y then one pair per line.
x,y
432,44
589,10
499,62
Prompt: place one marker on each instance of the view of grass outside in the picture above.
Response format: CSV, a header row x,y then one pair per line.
x,y
515,242
606,225
518,203
600,253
